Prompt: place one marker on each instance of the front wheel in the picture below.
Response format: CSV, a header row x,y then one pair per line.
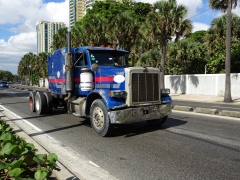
x,y
99,118
157,122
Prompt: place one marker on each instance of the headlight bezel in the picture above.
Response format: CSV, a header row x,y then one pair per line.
x,y
165,91
118,94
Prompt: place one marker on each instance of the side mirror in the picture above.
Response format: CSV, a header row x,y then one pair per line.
x,y
95,67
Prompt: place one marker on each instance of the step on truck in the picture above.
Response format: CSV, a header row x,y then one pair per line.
x,y
96,82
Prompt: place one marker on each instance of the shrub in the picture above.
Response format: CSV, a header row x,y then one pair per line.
x,y
18,159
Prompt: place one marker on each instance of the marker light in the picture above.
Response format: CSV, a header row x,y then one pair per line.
x,y
119,94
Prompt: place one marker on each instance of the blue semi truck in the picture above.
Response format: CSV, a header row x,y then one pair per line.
x,y
97,82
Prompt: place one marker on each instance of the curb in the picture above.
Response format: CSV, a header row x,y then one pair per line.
x,y
230,113
234,114
207,111
182,108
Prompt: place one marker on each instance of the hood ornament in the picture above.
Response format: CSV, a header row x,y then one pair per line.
x,y
145,69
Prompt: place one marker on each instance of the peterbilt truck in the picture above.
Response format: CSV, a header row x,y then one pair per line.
x,y
96,82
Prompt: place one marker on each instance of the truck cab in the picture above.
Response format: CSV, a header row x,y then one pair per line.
x,y
97,82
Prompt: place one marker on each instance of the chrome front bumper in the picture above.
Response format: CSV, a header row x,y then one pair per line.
x,y
144,113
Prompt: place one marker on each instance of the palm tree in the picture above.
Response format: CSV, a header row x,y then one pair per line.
x,y
124,28
215,40
23,68
77,32
30,58
40,61
165,21
96,28
226,5
60,39
44,72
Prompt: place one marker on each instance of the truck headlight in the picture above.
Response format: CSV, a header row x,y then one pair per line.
x,y
119,94
165,91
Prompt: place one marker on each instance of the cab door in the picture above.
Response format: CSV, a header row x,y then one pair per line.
x,y
80,61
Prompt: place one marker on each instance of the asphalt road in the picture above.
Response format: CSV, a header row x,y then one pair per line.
x,y
188,146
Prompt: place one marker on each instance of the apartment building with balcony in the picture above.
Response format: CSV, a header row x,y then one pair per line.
x,y
78,9
45,32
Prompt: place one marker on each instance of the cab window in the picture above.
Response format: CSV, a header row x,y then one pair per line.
x,y
80,59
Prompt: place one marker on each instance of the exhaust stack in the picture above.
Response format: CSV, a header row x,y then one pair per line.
x,y
69,68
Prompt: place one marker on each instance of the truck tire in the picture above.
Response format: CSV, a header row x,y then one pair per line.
x,y
40,103
32,101
49,102
99,118
157,122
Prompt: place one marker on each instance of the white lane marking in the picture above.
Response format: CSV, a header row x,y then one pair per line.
x,y
226,107
30,124
94,164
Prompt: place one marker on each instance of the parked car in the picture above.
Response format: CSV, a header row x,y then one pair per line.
x,y
3,84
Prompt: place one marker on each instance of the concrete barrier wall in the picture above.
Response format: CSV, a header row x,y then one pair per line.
x,y
204,84
41,82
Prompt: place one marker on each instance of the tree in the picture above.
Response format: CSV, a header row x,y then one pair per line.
x,y
97,28
40,62
30,58
198,36
21,69
186,56
165,21
77,32
123,28
215,41
6,75
60,39
226,5
109,9
114,13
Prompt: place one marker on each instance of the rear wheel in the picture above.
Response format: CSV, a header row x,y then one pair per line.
x,y
40,103
49,102
32,101
99,118
157,122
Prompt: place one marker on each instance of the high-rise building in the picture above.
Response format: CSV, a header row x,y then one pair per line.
x,y
78,9
45,32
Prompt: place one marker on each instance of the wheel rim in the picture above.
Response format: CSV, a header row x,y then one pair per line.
x,y
31,103
98,118
37,104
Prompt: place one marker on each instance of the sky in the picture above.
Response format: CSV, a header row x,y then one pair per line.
x,y
18,20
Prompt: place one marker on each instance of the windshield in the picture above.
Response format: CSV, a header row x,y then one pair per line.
x,y
108,58
4,82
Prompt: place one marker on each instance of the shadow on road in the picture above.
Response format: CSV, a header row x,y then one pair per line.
x,y
129,130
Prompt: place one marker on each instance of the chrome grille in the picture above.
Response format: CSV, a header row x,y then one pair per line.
x,y
145,87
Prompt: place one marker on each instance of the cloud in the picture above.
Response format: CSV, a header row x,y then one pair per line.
x,y
236,10
22,15
12,50
191,5
16,11
199,26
